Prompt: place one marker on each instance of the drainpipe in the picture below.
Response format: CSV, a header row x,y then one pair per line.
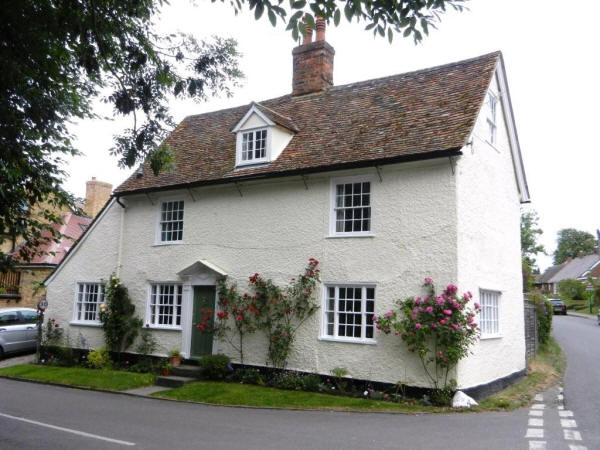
x,y
121,228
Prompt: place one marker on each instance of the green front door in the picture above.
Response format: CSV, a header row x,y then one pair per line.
x,y
204,298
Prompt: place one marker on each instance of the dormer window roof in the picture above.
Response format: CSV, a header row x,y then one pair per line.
x,y
262,134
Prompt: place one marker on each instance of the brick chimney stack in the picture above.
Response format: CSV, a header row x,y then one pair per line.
x,y
97,194
313,62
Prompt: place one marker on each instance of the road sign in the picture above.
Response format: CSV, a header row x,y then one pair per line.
x,y
42,305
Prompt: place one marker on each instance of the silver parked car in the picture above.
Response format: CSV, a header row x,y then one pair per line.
x,y
18,330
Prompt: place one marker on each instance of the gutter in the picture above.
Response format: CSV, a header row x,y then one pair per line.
x,y
456,151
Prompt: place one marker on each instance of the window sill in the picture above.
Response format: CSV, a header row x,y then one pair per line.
x,y
163,244
348,341
79,323
160,328
350,235
490,337
251,164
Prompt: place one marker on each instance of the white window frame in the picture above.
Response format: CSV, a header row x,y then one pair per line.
x,y
490,326
239,145
178,291
332,207
325,336
80,318
158,233
491,117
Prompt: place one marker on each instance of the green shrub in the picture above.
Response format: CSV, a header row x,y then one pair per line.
x,y
99,359
544,315
571,289
311,382
215,367
287,380
57,355
143,365
248,376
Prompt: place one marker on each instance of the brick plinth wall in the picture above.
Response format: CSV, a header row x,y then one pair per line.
x,y
313,67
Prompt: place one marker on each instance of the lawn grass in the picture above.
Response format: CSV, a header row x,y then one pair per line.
x,y
115,380
233,394
581,307
544,371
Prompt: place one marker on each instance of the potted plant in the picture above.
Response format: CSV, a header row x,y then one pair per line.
x,y
164,367
175,358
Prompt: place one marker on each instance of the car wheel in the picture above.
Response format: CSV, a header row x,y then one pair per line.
x,y
1,353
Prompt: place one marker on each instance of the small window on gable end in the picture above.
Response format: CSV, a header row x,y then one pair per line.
x,y
252,146
492,106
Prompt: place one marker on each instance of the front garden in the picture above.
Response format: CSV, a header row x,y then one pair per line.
x,y
438,328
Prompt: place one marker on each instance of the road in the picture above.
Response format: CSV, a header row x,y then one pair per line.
x,y
48,417
580,341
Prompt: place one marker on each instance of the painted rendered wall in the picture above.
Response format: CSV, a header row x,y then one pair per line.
x,y
488,211
274,228
94,258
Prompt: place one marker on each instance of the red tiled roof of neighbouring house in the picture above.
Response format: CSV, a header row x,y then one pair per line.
x,y
52,253
416,115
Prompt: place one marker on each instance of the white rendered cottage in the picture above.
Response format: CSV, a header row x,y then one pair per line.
x,y
385,182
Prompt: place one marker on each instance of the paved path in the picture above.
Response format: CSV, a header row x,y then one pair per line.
x,y
15,360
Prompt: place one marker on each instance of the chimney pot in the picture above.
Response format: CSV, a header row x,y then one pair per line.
x,y
307,39
320,29
97,194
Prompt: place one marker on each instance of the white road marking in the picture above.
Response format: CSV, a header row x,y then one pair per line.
x,y
572,435
559,407
576,447
538,398
536,422
535,433
560,389
67,430
568,423
560,397
538,406
565,413
537,445
536,412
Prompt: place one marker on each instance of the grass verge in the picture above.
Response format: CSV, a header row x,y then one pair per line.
x,y
232,394
544,371
78,376
581,307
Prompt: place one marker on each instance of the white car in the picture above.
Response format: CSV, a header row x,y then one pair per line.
x,y
18,330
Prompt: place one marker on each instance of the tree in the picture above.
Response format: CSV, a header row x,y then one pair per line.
x,y
570,289
57,57
572,243
60,55
530,247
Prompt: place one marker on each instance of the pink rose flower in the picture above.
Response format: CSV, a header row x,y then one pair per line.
x,y
395,332
477,306
455,326
374,318
389,314
378,326
440,301
418,301
443,321
429,309
447,312
417,325
428,280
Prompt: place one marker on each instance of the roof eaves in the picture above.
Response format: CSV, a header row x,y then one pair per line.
x,y
302,171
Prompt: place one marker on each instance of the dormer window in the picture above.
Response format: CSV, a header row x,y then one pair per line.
x,y
254,146
261,136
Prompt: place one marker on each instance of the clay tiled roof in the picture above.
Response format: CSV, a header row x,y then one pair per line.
x,y
417,115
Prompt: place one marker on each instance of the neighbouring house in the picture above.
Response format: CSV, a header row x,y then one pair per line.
x,y
385,182
580,268
23,285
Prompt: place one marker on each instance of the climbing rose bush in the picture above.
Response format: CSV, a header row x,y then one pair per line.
x,y
438,328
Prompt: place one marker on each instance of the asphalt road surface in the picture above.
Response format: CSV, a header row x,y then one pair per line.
x,y
35,416
580,341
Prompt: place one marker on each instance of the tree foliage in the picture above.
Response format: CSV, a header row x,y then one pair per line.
x,y
530,234
57,57
382,17
572,242
571,289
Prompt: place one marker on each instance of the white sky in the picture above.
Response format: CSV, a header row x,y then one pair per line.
x,y
551,60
